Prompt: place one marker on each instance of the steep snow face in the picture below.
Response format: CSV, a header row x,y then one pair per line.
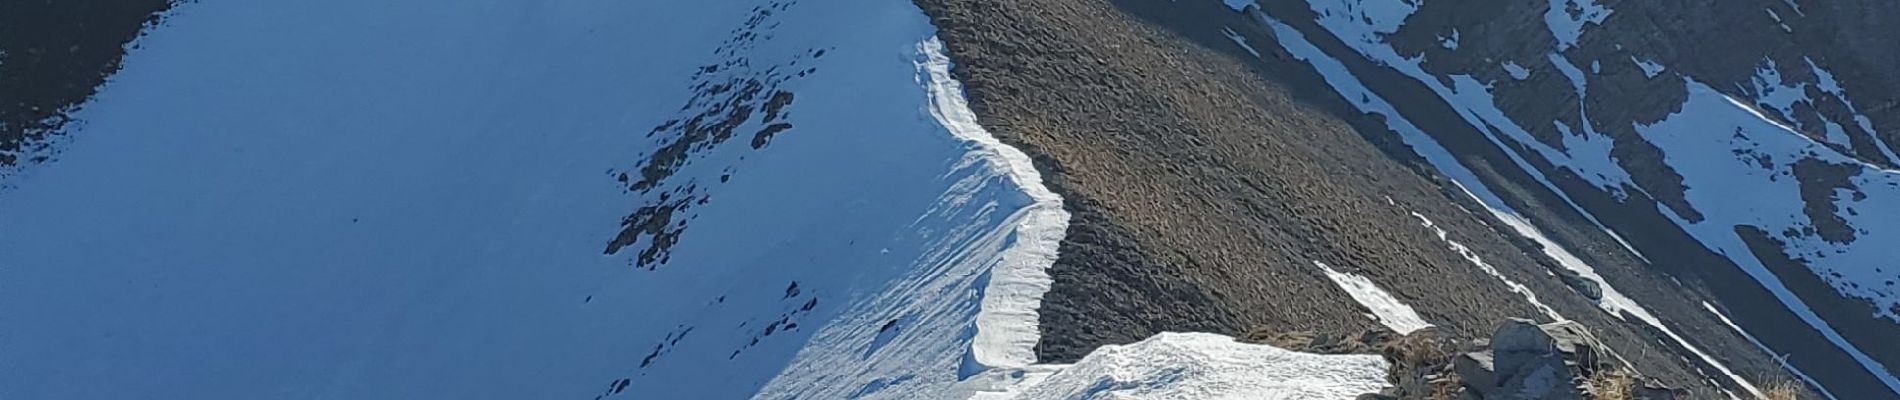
x,y
1207,366
394,199
907,359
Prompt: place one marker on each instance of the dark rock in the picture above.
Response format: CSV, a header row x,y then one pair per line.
x,y
1530,361
1543,377
1652,389
1520,342
1516,341
1586,287
1476,369
1522,360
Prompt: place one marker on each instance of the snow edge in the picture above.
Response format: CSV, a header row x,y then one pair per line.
x,y
1006,328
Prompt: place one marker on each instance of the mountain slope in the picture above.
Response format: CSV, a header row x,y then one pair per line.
x,y
334,199
1723,168
1206,126
789,199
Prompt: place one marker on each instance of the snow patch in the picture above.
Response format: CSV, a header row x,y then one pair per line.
x,y
1386,309
1370,18
1566,19
1205,366
1777,17
1772,91
1517,72
1472,256
1239,40
1650,68
1824,80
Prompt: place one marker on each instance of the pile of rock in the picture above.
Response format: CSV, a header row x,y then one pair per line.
x,y
1522,360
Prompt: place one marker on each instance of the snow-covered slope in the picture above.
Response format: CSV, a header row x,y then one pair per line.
x,y
568,199
377,199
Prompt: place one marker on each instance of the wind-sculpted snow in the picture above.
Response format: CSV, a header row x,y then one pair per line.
x,y
394,199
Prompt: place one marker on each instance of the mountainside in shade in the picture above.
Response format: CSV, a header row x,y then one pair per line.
x,y
52,56
371,199
582,199
1755,152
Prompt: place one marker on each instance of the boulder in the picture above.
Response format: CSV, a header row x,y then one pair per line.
x,y
1532,361
1576,281
1652,389
1476,369
1522,360
1517,341
1542,378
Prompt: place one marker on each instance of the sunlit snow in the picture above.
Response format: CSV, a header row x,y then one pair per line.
x,y
1206,366
1386,309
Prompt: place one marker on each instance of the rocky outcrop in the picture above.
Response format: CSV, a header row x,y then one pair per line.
x,y
53,55
1521,360
1550,361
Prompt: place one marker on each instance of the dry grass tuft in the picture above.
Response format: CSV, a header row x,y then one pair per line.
x,y
1416,350
1448,389
1783,390
1612,385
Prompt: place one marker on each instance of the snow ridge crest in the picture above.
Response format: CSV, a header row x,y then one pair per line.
x,y
1006,324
